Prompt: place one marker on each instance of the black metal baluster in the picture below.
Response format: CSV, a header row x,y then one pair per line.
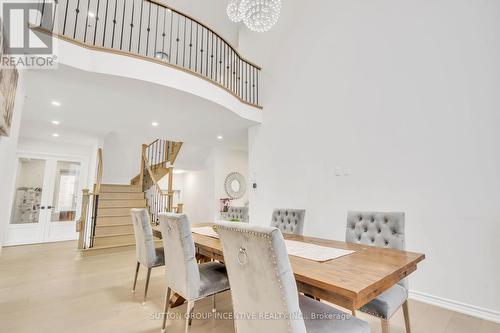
x,y
65,17
201,52
163,34
123,23
206,70
148,29
184,43
156,31
171,32
77,10
105,23
212,56
96,21
196,51
140,29
114,25
190,43
131,26
56,5
253,85
258,87
177,41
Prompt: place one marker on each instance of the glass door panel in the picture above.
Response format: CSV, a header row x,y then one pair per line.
x,y
28,194
66,186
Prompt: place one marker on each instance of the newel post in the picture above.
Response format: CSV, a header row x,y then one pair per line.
x,y
81,224
143,166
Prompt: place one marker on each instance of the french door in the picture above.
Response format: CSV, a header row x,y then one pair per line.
x,y
47,197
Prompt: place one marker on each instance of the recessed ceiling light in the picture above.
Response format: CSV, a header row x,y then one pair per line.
x,y
220,137
56,103
55,122
154,124
91,14
55,135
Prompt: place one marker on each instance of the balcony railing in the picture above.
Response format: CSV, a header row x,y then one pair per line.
x,y
151,30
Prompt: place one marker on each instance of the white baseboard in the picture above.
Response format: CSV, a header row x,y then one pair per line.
x,y
467,309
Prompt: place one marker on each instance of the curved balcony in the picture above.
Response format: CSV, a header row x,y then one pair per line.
x,y
152,31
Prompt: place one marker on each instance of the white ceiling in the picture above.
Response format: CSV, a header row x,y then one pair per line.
x,y
95,105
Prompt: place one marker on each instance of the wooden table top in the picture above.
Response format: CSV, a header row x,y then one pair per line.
x,y
349,281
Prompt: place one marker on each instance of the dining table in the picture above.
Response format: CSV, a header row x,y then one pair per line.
x,y
349,281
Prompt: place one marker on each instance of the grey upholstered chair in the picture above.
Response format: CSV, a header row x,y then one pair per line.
x,y
262,283
184,275
382,230
145,250
240,213
289,221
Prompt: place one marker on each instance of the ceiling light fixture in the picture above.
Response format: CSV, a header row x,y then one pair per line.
x,y
55,135
56,103
220,137
55,122
154,124
91,14
258,15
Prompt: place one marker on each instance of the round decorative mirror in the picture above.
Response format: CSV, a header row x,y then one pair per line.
x,y
235,185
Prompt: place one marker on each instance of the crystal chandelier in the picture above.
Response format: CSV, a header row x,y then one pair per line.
x,y
233,11
258,15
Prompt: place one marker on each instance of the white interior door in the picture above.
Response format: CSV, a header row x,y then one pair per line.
x,y
47,198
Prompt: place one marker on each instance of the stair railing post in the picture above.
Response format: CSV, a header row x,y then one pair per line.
x,y
81,224
170,192
143,166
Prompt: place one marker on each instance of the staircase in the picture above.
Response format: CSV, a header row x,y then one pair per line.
x,y
113,224
105,222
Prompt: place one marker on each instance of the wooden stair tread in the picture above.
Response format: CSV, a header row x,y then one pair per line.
x,y
114,235
111,225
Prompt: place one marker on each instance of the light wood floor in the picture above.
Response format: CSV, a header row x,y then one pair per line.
x,y
46,288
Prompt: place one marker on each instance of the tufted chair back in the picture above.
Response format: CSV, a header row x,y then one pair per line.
x,y
182,272
143,233
381,229
289,221
240,213
261,278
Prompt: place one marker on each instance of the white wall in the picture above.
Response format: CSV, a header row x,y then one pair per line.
x,y
121,158
205,187
8,147
227,161
402,97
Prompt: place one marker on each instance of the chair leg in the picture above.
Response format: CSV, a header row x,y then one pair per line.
x,y
214,308
136,273
189,314
406,312
385,326
147,285
165,310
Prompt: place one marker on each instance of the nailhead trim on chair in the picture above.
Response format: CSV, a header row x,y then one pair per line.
x,y
271,250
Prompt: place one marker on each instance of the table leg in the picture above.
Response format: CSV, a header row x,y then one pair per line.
x,y
176,300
